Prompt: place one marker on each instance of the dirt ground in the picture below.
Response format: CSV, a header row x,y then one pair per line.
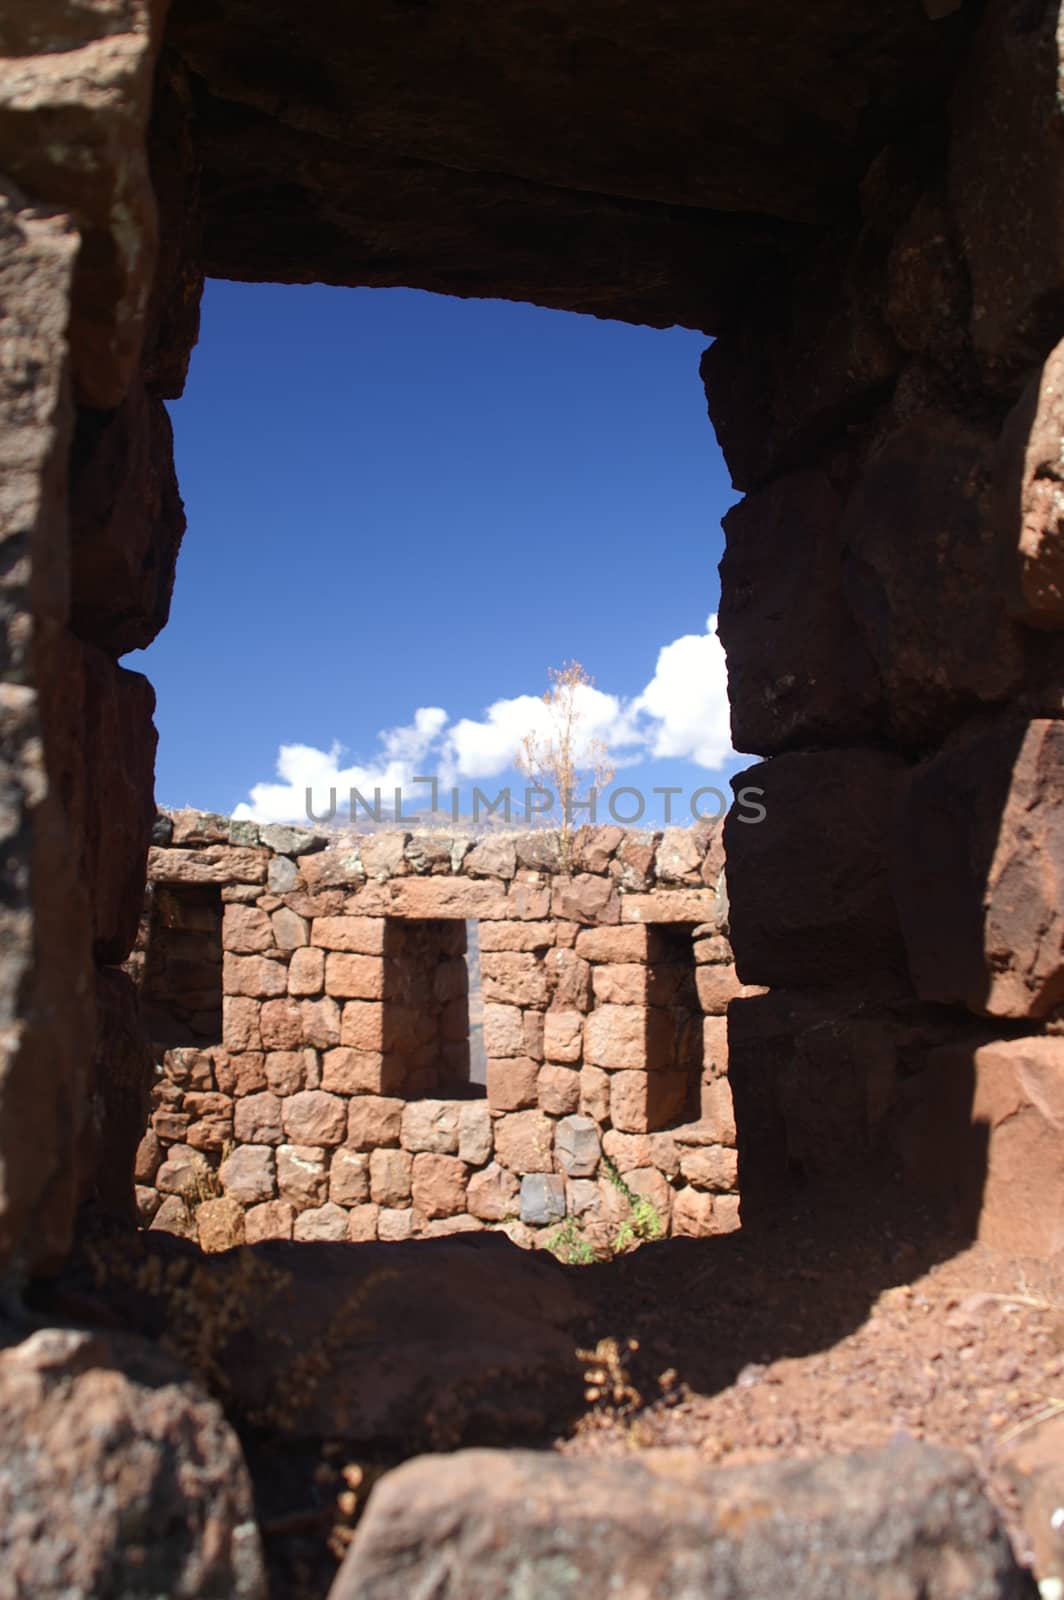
x,y
829,1327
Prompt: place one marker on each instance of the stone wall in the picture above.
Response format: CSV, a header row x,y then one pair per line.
x,y
334,1099
864,210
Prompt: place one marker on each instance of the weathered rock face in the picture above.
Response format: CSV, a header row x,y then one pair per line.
x,y
45,1004
862,205
423,1345
340,153
983,1130
902,1523
809,889
118,1476
978,871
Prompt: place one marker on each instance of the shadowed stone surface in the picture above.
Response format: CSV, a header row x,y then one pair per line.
x,y
342,152
118,1476
978,870
907,1523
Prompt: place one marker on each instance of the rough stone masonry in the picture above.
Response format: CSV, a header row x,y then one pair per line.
x,y
309,1005
861,201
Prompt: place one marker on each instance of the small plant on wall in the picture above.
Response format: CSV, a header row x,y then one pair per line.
x,y
642,1225
559,756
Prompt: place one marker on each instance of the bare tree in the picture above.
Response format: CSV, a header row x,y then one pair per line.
x,y
562,760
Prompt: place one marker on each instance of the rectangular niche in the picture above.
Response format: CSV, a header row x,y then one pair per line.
x,y
674,1023
182,983
426,1020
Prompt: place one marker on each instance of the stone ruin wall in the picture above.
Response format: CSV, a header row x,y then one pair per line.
x,y
308,1002
875,244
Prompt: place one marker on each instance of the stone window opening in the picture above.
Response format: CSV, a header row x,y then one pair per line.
x,y
182,984
428,1034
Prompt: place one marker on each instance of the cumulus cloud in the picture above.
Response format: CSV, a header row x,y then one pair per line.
x,y
687,700
681,714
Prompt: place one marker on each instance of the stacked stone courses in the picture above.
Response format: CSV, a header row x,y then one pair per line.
x,y
336,1103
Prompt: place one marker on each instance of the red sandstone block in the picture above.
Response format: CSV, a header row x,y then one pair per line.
x,y
570,978
643,1102
492,1195
475,1139
431,1125
257,1119
362,1223
615,1037
373,1121
246,930
692,1214
362,1025
290,931
354,977
302,1178
503,1031
524,1142
390,1176
431,898
328,1221
563,1036
240,1074
352,1072
595,845
717,988
210,1133
650,1184
169,1125
595,1094
715,1047
517,936
240,1023
362,936
586,898
215,864
629,1151
148,1159
271,1220
718,1112
253,976
559,1089
511,1083
286,1072
438,1186
306,972
515,978
527,901
622,985
670,905
321,1022
281,1024
613,944
711,947
532,1033
349,1178
711,1167
447,1227
209,1103
395,1224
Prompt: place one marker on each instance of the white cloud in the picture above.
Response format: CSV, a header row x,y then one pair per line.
x,y
682,714
687,700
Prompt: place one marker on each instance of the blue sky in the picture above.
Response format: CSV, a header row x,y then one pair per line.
x,y
399,503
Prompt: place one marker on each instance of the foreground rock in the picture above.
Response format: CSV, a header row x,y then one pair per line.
x,y
118,1477
907,1523
422,1345
1033,1465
